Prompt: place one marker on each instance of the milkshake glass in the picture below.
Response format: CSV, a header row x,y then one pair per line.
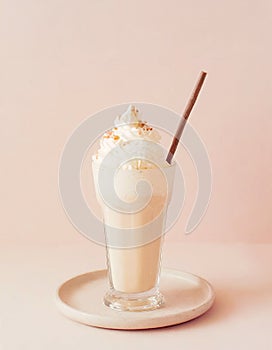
x,y
134,232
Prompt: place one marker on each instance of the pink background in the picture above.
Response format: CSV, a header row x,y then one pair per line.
x,y
63,61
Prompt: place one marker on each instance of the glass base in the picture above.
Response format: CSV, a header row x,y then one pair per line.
x,y
133,302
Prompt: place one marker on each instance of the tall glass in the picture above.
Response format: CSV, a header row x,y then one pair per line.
x,y
134,237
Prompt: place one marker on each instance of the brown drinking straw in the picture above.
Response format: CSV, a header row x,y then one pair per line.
x,y
185,117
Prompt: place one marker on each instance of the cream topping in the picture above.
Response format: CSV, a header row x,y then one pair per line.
x,y
128,127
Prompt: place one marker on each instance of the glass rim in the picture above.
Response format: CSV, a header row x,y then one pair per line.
x,y
164,166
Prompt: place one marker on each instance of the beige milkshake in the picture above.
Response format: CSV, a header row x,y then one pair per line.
x,y
134,233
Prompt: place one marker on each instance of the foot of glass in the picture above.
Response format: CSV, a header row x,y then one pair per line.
x,y
133,302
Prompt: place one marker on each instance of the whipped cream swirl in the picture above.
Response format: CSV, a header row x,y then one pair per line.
x,y
128,127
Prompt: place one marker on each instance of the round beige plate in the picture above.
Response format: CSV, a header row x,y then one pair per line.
x,y
186,297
